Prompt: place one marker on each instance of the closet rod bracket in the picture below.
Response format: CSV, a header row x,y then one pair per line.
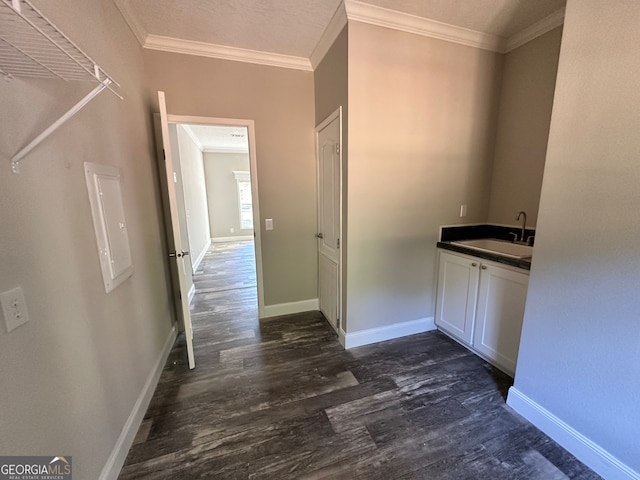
x,y
15,161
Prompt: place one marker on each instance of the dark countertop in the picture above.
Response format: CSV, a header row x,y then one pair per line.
x,y
524,263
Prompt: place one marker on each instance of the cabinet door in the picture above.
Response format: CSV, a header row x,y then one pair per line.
x,y
501,300
457,292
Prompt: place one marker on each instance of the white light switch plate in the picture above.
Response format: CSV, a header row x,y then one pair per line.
x,y
268,223
14,308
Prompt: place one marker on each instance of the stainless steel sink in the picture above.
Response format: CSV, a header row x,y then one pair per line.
x,y
501,247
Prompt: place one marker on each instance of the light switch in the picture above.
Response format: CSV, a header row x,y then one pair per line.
x,y
268,223
14,308
463,210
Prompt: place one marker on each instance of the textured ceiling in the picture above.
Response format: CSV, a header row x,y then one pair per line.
x,y
287,27
294,27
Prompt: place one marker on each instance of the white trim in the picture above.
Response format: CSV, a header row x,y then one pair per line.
x,y
292,307
193,137
253,168
342,337
199,258
584,449
534,31
118,455
404,22
226,150
337,23
132,20
190,47
388,332
242,175
348,10
239,238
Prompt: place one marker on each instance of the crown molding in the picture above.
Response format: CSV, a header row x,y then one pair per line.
x,y
190,47
132,20
404,22
534,31
226,150
337,23
193,137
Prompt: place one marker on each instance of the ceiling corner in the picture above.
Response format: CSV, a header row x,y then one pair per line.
x,y
193,136
134,24
532,32
383,17
337,23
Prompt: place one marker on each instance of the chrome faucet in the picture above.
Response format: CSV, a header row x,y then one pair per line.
x,y
524,223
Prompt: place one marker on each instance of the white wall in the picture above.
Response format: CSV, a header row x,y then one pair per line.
x,y
222,193
580,346
195,195
70,377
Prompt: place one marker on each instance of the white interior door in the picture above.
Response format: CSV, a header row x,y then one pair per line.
x,y
329,144
181,245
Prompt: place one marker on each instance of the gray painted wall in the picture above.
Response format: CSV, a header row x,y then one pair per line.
x,y
421,133
71,376
580,345
222,193
526,99
280,101
331,84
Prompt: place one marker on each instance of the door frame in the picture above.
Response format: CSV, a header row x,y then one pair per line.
x,y
253,171
335,114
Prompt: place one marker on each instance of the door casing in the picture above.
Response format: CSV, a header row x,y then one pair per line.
x,y
253,168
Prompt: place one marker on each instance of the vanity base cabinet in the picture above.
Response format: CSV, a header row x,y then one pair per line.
x,y
501,299
457,293
481,304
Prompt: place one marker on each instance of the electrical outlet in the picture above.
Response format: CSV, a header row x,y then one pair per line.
x,y
463,210
232,230
14,308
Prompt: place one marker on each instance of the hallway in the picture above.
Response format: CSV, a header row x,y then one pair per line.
x,y
280,399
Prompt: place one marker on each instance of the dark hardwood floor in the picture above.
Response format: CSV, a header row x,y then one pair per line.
x,y
280,399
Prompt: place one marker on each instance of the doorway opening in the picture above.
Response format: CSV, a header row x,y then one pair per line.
x,y
217,185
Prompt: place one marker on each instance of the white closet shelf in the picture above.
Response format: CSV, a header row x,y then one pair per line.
x,y
32,46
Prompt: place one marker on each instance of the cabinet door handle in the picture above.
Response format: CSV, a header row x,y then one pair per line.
x,y
474,264
483,267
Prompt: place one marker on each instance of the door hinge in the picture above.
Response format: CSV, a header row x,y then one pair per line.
x,y
338,148
338,243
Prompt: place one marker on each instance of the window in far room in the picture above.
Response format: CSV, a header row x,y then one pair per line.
x,y
245,205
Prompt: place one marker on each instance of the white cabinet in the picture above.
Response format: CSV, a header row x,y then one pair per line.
x,y
457,295
481,303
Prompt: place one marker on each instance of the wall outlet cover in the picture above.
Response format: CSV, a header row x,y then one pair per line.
x,y
14,308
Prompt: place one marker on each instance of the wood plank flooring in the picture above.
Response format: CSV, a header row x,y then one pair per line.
x,y
280,399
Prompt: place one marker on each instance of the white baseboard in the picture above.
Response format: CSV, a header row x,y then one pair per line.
x,y
231,239
388,332
293,307
114,464
342,337
585,450
192,292
199,258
